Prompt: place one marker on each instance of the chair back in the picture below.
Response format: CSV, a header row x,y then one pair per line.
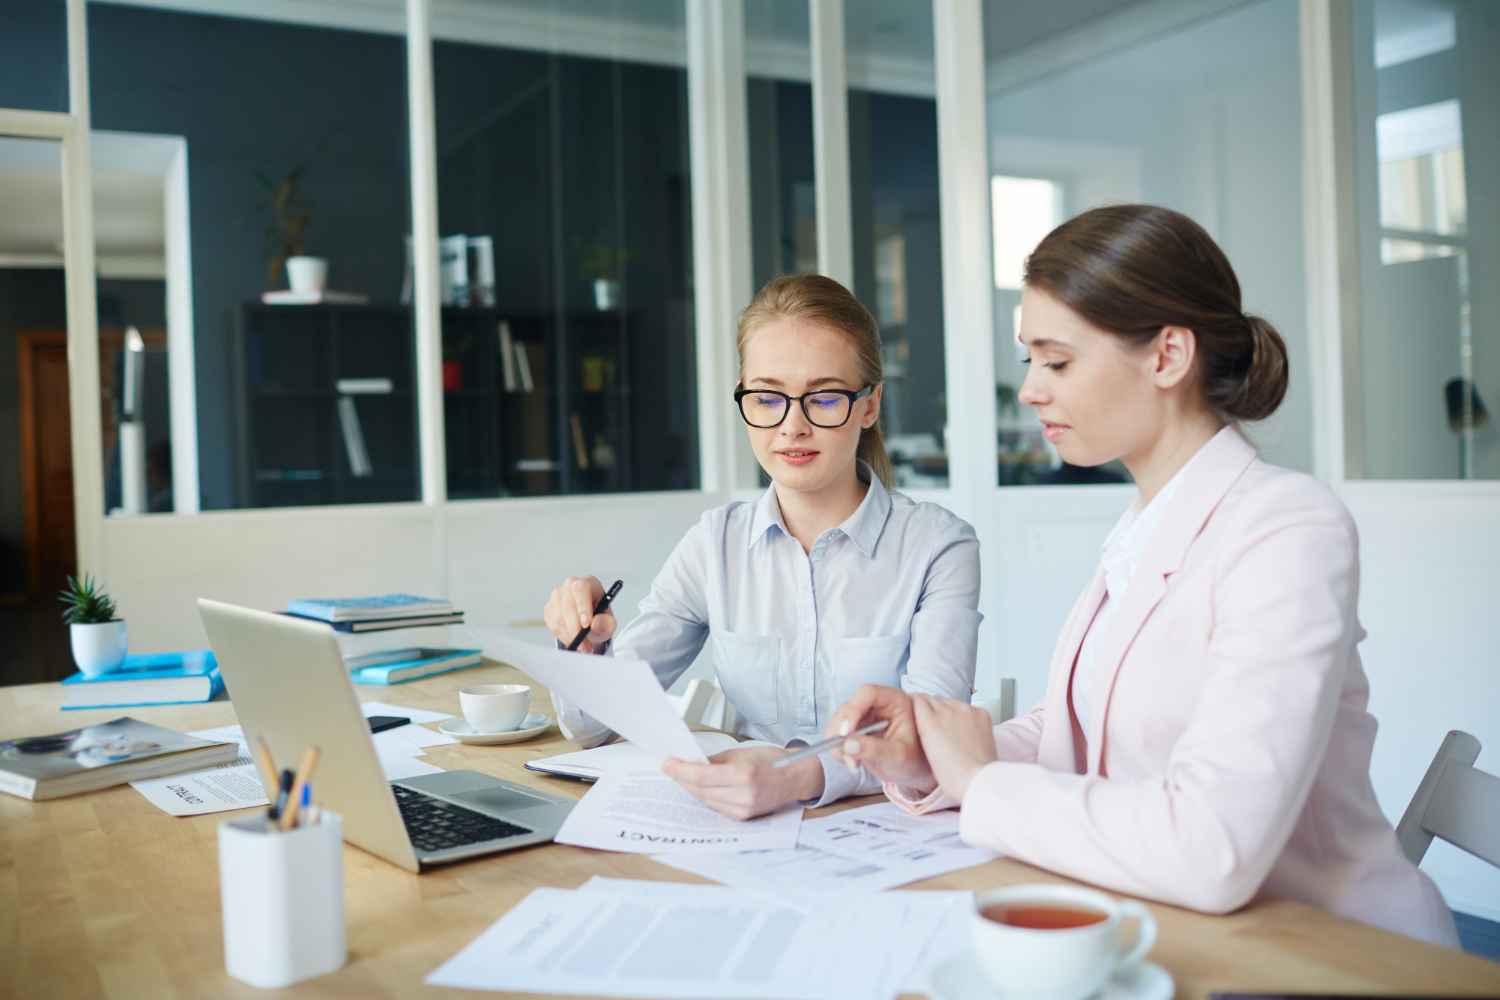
x,y
1456,802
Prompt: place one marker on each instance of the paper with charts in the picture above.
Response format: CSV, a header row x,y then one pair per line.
x,y
621,693
637,809
627,938
855,851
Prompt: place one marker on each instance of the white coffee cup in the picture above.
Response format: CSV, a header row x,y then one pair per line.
x,y
495,708
1064,963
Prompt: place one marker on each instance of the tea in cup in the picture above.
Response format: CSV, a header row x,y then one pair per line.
x,y
495,708
1055,942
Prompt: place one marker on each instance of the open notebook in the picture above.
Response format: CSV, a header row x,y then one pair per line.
x,y
590,764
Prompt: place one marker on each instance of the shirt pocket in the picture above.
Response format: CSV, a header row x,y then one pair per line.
x,y
879,659
747,666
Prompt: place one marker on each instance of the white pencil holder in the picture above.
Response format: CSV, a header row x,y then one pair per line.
x,y
283,899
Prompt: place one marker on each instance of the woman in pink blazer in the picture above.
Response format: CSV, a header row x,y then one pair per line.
x,y
1204,733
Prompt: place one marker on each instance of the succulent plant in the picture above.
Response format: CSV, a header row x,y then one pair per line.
x,y
87,603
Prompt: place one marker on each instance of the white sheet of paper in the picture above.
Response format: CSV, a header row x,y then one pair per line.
x,y
615,937
849,853
594,762
418,716
409,741
623,694
639,810
237,785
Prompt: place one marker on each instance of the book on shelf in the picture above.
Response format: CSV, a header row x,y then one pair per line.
x,y
393,666
385,606
94,757
313,297
148,679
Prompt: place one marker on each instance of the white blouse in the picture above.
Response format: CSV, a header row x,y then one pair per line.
x,y
1123,549
888,597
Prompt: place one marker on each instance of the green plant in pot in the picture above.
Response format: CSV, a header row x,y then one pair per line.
x,y
283,243
601,260
98,637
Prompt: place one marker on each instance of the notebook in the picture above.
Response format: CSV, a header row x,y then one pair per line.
x,y
93,757
393,666
342,609
148,679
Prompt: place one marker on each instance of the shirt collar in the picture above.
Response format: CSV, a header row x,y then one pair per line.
x,y
863,526
1127,543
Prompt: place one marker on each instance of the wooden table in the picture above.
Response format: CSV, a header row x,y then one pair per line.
x,y
103,894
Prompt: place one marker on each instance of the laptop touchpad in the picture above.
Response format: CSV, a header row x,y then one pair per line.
x,y
503,800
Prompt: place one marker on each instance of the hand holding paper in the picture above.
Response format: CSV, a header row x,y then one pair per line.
x,y
623,694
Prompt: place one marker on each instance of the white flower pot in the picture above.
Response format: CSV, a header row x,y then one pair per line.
x,y
98,649
307,274
606,294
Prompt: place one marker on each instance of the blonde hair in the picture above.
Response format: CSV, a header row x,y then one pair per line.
x,y
812,298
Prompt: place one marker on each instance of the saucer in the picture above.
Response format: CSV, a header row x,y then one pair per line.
x,y
459,728
961,977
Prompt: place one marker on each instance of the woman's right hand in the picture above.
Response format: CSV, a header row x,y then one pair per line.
x,y
571,607
895,754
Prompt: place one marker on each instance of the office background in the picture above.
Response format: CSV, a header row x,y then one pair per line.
x,y
1343,152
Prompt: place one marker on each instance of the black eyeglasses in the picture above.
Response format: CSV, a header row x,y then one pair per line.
x,y
824,408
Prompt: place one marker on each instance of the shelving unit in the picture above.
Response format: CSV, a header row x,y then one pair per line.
x,y
569,432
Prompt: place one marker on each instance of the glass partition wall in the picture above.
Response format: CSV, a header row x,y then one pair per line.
x,y
1427,127
1205,118
563,204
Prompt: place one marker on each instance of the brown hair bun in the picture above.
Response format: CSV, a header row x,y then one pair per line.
x,y
1133,269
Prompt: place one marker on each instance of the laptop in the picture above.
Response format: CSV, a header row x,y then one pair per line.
x,y
289,686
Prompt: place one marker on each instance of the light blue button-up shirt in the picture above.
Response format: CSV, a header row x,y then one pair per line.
x,y
888,597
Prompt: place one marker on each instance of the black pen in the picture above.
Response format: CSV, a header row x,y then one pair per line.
x,y
599,609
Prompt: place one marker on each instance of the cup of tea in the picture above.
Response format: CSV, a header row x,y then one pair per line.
x,y
495,708
1056,942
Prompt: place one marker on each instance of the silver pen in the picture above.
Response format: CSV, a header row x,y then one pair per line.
x,y
812,750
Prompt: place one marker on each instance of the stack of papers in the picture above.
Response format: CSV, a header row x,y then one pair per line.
x,y
850,853
621,937
637,809
236,785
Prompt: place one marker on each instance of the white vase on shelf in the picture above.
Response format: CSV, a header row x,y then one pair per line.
x,y
98,648
307,274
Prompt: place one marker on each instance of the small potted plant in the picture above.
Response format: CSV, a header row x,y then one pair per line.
x,y
601,260
98,637
283,240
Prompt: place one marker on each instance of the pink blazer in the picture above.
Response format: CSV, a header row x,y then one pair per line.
x,y
1229,746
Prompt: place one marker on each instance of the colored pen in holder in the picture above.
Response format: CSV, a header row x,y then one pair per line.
x,y
283,898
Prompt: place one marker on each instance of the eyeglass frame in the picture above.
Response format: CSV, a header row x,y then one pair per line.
x,y
801,400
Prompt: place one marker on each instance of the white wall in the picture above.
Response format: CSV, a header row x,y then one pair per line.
x,y
1430,600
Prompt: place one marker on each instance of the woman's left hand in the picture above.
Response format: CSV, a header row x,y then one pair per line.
x,y
958,738
742,784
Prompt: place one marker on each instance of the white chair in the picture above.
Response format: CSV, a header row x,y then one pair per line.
x,y
704,702
1455,801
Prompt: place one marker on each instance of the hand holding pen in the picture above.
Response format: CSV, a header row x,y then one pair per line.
x,y
578,613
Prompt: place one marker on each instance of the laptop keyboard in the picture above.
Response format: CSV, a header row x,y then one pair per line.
x,y
435,825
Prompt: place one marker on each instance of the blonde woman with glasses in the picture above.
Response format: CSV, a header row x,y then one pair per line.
x,y
828,582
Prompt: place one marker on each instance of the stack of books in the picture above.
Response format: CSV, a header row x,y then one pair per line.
x,y
390,638
148,679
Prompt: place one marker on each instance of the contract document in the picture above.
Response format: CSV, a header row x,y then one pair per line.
x,y
623,694
639,810
616,937
852,852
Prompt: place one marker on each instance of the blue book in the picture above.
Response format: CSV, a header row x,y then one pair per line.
x,y
148,679
344,609
394,666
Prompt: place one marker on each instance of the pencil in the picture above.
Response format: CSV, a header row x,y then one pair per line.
x,y
304,775
268,762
